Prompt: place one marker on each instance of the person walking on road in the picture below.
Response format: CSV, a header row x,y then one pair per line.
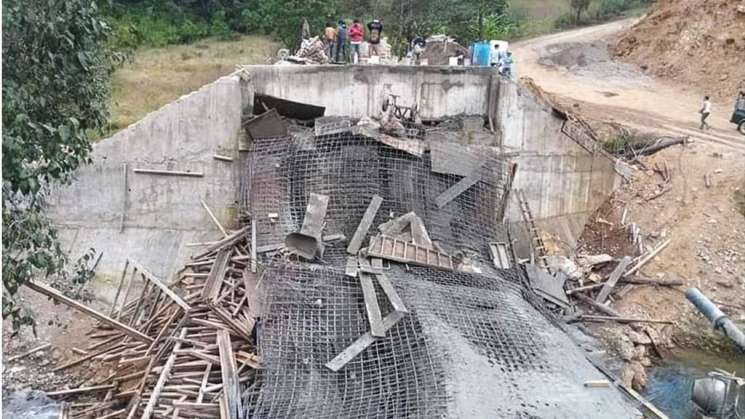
x,y
356,35
376,30
341,42
329,38
705,112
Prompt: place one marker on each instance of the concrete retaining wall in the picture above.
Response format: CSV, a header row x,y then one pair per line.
x,y
359,91
563,182
161,213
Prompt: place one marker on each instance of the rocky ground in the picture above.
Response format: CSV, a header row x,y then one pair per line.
x,y
57,325
706,226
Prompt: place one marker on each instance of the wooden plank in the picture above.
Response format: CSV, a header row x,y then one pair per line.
x,y
597,383
226,242
230,381
391,293
213,218
57,296
91,389
168,172
589,317
458,188
222,158
29,352
613,279
362,343
211,290
371,305
158,283
124,199
419,234
119,288
253,245
601,307
352,266
647,258
364,226
164,376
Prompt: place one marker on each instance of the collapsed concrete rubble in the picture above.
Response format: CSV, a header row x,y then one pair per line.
x,y
372,276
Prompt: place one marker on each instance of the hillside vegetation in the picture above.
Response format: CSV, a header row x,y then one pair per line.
x,y
158,76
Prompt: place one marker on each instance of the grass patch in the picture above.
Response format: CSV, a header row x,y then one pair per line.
x,y
739,196
158,76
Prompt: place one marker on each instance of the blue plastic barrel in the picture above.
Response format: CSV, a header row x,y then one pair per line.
x,y
481,54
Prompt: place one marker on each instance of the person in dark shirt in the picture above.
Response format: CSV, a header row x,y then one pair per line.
x,y
341,42
376,29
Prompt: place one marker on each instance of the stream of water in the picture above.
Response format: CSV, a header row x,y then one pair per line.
x,y
669,386
29,404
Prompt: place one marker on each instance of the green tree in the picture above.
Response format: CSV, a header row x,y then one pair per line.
x,y
579,6
55,91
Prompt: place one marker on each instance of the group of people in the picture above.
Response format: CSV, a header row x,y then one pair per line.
x,y
502,59
335,39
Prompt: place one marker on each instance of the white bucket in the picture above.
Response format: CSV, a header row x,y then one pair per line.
x,y
453,61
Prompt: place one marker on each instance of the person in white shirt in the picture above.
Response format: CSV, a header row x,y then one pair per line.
x,y
705,112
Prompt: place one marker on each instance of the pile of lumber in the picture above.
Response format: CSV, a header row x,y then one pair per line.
x,y
626,272
184,351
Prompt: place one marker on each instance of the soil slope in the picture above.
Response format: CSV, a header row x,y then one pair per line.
x,y
699,42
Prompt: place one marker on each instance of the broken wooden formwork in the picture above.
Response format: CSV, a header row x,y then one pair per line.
x,y
182,351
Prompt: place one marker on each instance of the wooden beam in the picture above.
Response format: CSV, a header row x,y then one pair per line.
x,y
80,390
458,188
364,225
391,293
231,383
164,376
124,199
29,352
214,219
371,305
589,317
362,343
614,277
57,296
163,287
601,307
168,172
647,258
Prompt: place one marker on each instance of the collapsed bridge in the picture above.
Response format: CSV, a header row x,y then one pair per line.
x,y
470,342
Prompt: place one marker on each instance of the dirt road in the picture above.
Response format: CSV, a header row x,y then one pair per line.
x,y
574,66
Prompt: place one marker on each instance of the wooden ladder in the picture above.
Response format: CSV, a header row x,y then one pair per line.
x,y
536,242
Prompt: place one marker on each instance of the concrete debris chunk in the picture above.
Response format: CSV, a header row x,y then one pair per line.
x,y
267,125
547,286
329,125
308,243
592,260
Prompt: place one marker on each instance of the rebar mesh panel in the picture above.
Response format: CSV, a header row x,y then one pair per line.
x,y
471,346
312,315
350,169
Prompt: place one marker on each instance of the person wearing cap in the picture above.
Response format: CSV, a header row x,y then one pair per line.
x,y
376,30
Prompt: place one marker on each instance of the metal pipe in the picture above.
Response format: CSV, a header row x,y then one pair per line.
x,y
718,319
